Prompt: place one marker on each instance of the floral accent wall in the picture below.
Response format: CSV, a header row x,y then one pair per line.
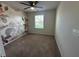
x,y
11,23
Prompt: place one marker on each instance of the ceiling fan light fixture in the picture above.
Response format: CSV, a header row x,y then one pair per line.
x,y
32,8
33,3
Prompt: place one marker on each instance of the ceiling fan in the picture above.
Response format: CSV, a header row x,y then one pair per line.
x,y
31,4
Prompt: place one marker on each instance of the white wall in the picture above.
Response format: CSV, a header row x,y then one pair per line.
x,y
67,29
2,52
49,27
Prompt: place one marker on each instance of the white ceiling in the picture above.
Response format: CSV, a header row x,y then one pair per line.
x,y
47,5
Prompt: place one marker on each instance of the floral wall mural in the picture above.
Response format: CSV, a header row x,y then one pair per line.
x,y
11,23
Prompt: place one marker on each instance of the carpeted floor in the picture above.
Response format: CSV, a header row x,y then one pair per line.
x,y
33,45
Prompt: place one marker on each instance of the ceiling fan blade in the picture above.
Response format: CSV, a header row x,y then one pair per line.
x,y
33,2
24,3
26,8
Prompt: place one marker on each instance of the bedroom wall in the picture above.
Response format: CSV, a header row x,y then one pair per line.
x,y
67,29
14,21
49,22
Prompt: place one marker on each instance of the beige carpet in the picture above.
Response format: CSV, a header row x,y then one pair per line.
x,y
33,45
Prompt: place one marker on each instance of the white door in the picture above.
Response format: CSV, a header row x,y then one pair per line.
x,y
2,51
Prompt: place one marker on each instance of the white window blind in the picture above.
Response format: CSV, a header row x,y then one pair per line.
x,y
39,21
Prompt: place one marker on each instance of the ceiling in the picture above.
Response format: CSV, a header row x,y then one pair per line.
x,y
47,5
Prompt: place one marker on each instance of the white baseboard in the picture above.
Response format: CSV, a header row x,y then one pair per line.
x,y
15,38
41,34
60,47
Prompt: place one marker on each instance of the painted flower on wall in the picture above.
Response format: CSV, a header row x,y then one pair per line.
x,y
10,25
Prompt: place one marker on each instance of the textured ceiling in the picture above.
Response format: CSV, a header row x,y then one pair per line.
x,y
47,5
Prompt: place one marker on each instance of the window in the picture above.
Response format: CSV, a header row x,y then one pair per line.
x,y
39,21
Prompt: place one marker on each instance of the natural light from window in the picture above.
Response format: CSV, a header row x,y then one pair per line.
x,y
39,21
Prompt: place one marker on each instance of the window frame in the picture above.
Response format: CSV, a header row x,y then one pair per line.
x,y
43,21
